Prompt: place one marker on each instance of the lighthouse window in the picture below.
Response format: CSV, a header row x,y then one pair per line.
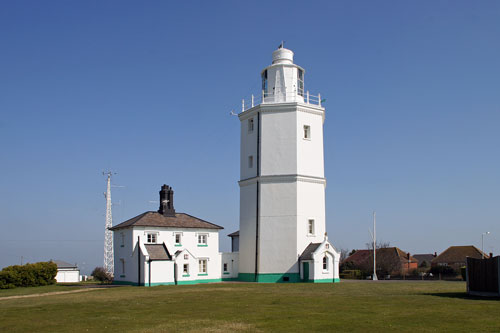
x,y
310,227
300,81
264,82
250,161
250,125
307,132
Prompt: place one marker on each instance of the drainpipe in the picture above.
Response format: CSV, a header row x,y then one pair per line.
x,y
258,201
138,261
149,274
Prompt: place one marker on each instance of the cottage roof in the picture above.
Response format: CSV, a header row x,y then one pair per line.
x,y
155,219
309,250
63,264
234,234
457,254
158,252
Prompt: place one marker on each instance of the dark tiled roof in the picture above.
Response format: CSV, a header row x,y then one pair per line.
x,y
234,234
308,252
155,219
158,252
63,264
424,258
387,254
457,254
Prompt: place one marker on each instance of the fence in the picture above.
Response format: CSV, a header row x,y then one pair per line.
x,y
483,276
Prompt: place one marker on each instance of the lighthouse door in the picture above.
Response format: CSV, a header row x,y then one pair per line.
x,y
305,267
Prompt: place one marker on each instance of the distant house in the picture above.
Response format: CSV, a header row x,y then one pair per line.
x,y
67,272
455,256
424,260
390,261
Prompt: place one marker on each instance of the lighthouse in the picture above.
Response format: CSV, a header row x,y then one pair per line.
x,y
282,235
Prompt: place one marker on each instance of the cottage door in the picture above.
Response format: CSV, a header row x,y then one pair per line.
x,y
305,267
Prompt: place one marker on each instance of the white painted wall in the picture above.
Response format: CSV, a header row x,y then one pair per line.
x,y
231,259
68,275
248,199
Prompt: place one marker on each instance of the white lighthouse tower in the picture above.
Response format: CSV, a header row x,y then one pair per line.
x,y
282,186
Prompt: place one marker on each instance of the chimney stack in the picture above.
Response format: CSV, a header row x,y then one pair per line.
x,y
166,201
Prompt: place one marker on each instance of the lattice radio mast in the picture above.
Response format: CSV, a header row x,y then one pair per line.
x,y
109,262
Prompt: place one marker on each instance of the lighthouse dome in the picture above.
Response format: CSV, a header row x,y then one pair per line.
x,y
282,56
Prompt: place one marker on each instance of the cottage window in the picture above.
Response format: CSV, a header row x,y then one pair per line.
x,y
152,238
177,239
185,269
325,263
202,240
307,132
203,266
186,257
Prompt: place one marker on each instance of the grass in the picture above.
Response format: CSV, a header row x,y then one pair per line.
x,y
345,307
36,290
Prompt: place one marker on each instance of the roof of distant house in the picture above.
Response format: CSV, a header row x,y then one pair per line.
x,y
234,234
155,219
64,264
458,254
361,256
309,250
424,257
158,252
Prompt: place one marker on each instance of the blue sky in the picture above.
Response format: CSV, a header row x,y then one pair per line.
x,y
145,88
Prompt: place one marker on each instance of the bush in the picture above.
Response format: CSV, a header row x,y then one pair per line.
x,y
351,274
443,270
29,275
100,274
463,272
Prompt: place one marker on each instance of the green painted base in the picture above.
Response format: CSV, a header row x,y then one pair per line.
x,y
325,281
270,278
198,281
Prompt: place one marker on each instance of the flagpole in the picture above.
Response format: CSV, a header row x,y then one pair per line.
x,y
374,247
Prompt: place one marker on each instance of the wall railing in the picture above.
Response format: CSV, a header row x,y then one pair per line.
x,y
280,97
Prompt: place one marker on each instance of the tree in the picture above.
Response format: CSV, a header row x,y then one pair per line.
x,y
100,274
344,253
380,245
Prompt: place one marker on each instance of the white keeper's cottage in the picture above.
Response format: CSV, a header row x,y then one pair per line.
x,y
282,236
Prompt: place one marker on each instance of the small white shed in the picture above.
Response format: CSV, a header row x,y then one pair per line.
x,y
67,272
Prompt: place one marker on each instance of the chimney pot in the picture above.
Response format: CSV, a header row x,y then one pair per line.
x,y
166,201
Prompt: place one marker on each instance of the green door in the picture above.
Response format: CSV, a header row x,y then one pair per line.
x,y
305,267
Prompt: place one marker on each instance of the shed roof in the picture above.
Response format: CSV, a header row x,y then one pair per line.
x,y
155,219
64,264
158,252
309,250
234,234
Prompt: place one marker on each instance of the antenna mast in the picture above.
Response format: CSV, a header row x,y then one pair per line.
x,y
374,247
108,234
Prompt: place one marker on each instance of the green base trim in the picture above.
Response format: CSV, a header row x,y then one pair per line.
x,y
205,274
125,283
122,245
226,273
187,275
122,275
178,245
129,283
270,277
200,245
198,281
325,281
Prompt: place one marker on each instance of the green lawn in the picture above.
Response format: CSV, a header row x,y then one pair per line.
x,y
363,306
36,290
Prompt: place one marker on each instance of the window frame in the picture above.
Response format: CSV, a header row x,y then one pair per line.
x,y
306,132
311,225
250,125
152,238
203,266
185,269
202,240
325,263
250,161
178,243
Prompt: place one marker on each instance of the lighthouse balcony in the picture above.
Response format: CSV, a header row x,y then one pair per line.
x,y
280,97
